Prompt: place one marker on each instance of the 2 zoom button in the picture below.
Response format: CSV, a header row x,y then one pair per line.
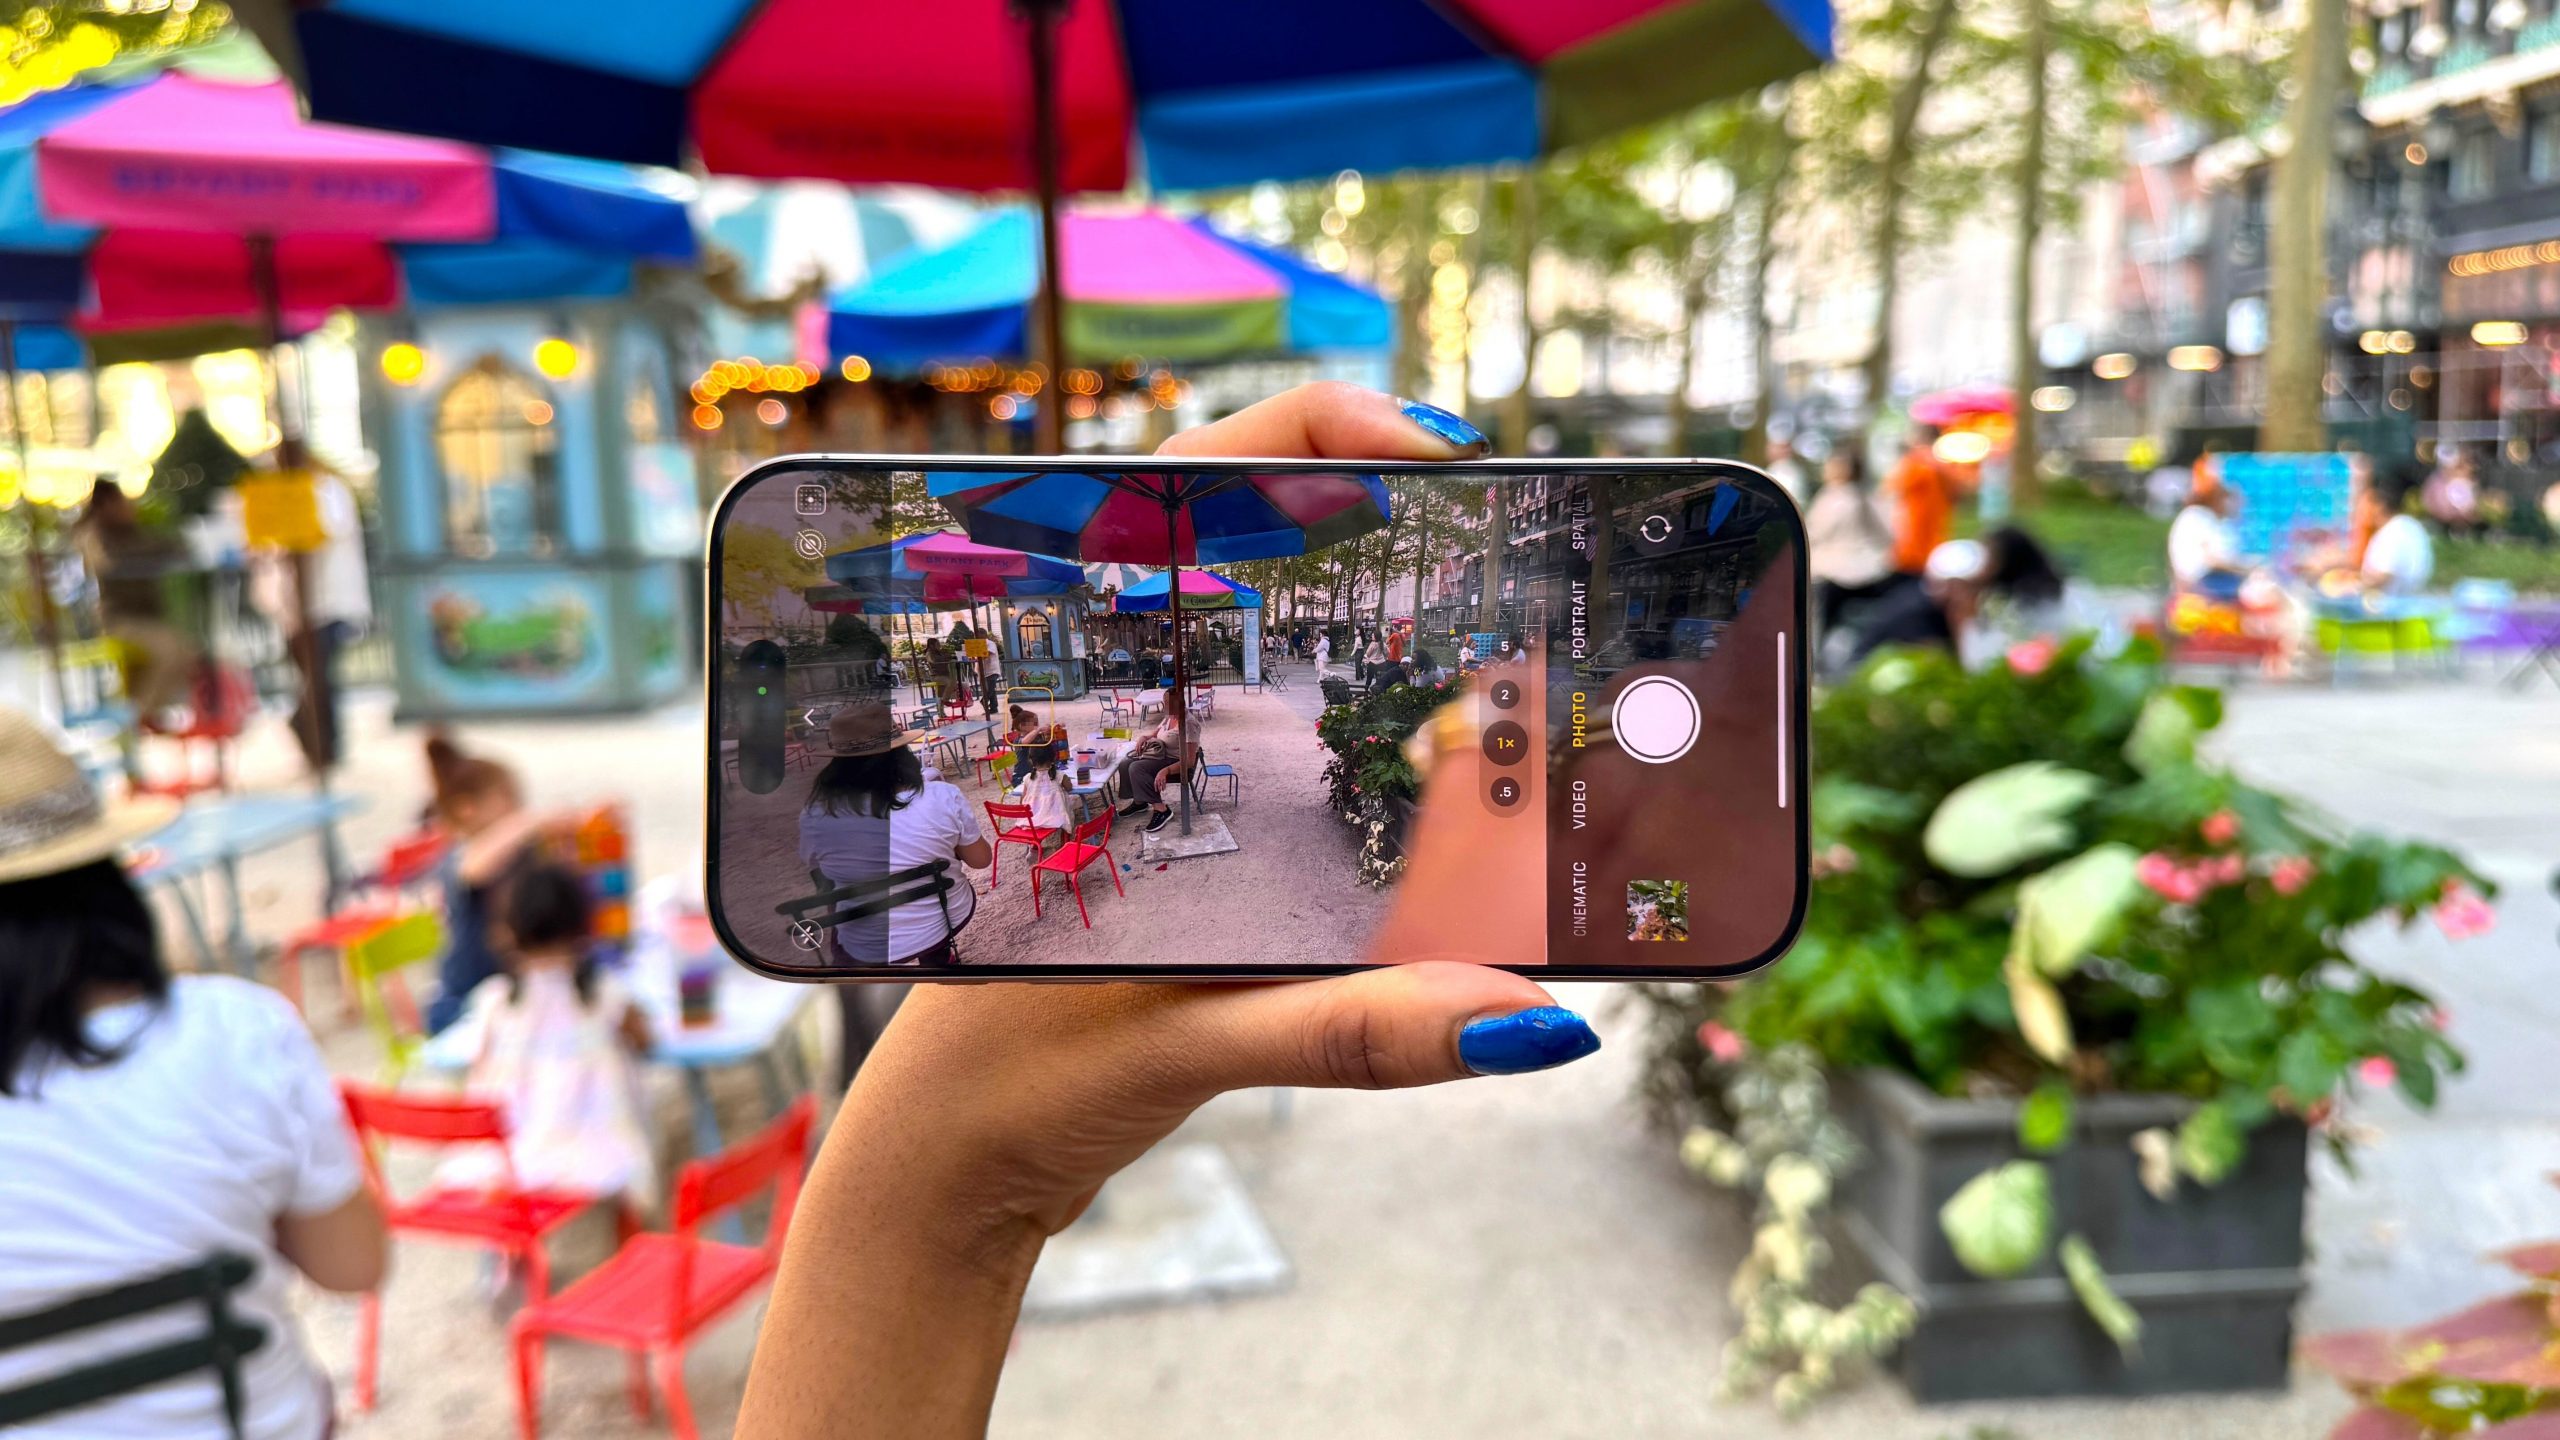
x,y
1504,694
1505,743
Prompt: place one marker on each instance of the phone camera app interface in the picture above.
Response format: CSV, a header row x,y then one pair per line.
x,y
1007,720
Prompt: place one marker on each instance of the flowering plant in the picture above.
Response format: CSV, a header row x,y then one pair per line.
x,y
2028,882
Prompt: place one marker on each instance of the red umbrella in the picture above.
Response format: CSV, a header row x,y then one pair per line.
x,y
1946,407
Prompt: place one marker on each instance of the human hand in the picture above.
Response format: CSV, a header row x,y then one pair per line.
x,y
988,1116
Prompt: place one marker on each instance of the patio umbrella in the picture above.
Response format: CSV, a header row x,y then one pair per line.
x,y
1165,517
1201,590
1115,577
1040,95
1945,407
1132,283
202,196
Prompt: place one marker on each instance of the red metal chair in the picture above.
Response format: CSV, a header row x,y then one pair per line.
x,y
986,763
659,1291
410,864
1026,833
1092,843
510,1220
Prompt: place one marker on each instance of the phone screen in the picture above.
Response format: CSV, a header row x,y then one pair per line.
x,y
1546,718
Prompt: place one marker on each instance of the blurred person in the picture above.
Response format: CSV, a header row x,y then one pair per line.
x,y
479,804
148,1121
1323,652
556,1038
130,562
1466,652
1924,499
906,1262
1789,471
1850,549
2015,593
2203,556
1390,675
2401,558
1044,788
1395,645
2451,495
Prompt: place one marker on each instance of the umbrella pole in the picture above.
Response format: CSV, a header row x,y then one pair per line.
x,y
48,626
1048,419
318,731
1181,670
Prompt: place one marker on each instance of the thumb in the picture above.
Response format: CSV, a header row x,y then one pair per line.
x,y
1386,1029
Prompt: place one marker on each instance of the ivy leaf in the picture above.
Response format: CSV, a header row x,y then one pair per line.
x,y
2001,1222
2089,1282
1994,823
2164,736
2210,1145
2071,909
2044,1122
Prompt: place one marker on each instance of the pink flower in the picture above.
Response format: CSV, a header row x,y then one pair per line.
x,y
2169,879
2438,1018
2220,828
2224,870
2377,1071
2032,657
1720,1043
2462,914
2291,874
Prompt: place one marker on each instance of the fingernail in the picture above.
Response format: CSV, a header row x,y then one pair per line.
x,y
1449,428
1525,1040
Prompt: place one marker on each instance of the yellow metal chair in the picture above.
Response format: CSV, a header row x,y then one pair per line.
x,y
378,963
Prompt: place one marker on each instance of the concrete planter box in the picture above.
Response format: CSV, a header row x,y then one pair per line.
x,y
2214,1273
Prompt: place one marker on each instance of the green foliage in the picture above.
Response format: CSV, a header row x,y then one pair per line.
x,y
2089,1281
2001,1220
1367,739
2044,1121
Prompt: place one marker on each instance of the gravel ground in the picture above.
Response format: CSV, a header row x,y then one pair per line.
x,y
1506,1258
1288,895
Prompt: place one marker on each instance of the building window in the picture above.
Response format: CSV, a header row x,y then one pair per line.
x,y
1032,630
501,460
2471,174
2542,146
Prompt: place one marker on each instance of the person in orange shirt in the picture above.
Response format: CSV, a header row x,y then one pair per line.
x,y
1924,501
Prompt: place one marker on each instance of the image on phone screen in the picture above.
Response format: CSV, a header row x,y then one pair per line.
x,y
1546,717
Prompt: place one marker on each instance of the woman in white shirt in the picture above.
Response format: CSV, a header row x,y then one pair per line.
x,y
872,814
2401,557
147,1122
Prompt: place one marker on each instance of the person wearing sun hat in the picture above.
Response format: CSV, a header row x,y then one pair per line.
x,y
148,1121
873,812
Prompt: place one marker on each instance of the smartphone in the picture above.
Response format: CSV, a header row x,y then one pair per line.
x,y
966,723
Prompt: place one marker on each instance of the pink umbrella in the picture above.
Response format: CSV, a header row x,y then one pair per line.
x,y
221,199
1945,407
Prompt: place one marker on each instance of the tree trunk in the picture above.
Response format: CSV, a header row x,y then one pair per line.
x,y
1524,257
2298,258
1892,178
2027,368
1764,359
1693,305
1413,286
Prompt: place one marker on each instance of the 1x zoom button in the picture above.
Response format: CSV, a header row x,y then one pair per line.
x,y
1505,743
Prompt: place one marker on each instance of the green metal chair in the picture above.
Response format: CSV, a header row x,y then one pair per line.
x,y
224,1342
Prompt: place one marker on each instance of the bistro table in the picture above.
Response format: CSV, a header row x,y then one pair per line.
x,y
1109,756
214,834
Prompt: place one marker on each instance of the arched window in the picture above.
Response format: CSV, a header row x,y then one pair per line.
x,y
1032,630
500,456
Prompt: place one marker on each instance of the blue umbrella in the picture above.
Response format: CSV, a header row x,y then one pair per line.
x,y
1201,590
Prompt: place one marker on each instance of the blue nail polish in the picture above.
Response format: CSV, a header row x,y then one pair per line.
x,y
1538,1039
1446,426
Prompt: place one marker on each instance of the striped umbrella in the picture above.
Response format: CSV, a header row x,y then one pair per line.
x,y
1201,590
1113,576
1047,96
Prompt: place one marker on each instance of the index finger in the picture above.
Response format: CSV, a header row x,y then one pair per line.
x,y
1333,419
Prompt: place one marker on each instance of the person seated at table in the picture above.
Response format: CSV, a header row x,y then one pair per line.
x,y
554,1038
1044,788
1023,724
1389,674
478,802
872,814
1164,753
2203,558
2401,557
150,1120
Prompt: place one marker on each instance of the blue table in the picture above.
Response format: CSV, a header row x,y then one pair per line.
x,y
214,834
